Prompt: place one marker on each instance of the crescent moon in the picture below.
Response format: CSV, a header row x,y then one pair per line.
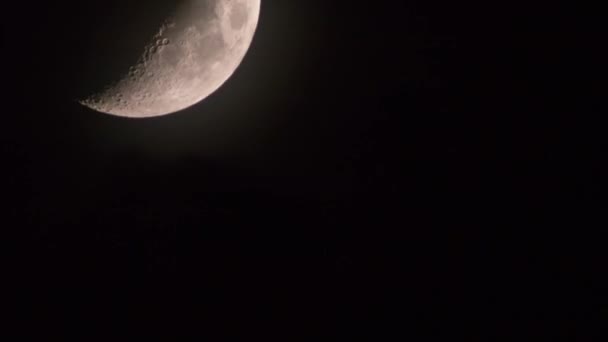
x,y
194,52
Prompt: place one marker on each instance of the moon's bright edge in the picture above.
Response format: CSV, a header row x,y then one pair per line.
x,y
194,52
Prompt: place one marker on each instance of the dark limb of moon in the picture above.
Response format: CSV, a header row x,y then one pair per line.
x,y
195,50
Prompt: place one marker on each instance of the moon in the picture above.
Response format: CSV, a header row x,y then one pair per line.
x,y
194,52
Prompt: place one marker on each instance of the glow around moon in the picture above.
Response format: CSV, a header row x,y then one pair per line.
x,y
194,52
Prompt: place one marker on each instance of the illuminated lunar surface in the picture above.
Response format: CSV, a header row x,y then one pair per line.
x,y
193,53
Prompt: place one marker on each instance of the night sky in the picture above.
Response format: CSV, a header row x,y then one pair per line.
x,y
424,168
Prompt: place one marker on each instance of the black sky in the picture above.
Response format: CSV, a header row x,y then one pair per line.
x,y
416,166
